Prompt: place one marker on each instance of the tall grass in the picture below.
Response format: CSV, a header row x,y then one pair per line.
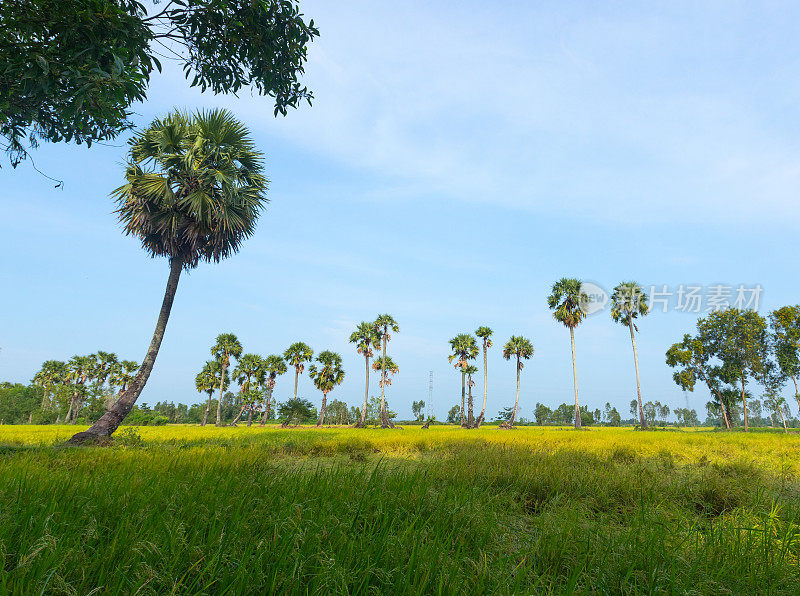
x,y
206,510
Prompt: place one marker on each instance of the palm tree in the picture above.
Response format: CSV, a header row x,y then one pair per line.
x,y
367,339
296,355
79,368
384,324
124,374
464,348
568,303
194,191
326,377
248,368
629,302
206,382
470,370
104,368
273,367
227,345
521,349
387,368
52,373
485,333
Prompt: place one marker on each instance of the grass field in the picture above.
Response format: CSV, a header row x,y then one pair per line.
x,y
184,509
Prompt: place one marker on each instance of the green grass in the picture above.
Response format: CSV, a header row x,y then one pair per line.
x,y
193,510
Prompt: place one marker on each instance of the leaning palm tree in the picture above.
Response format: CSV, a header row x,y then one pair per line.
x,y
464,348
384,324
629,302
297,355
226,346
367,339
326,377
273,367
485,333
520,349
194,190
568,303
206,382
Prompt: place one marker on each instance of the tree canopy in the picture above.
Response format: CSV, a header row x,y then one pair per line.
x,y
70,71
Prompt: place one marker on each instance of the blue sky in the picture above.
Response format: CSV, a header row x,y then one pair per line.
x,y
458,159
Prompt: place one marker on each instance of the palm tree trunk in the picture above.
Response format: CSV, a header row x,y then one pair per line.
x,y
360,423
796,392
463,393
296,378
238,416
208,408
470,417
642,421
783,418
249,417
744,403
108,422
267,408
225,362
575,379
384,416
485,385
322,409
516,402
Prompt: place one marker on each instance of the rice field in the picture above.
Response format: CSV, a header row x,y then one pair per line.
x,y
190,510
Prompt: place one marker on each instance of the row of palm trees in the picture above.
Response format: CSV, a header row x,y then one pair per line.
x,y
256,375
570,306
104,371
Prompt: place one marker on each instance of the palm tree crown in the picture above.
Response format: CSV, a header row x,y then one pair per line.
x,y
297,354
518,347
366,338
628,302
195,187
329,373
274,366
227,345
485,333
464,348
391,368
568,302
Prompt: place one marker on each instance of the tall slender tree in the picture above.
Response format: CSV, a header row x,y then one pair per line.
x,y
367,339
274,366
568,303
470,370
326,377
518,348
249,368
297,355
79,369
485,334
385,324
206,382
386,368
464,348
52,373
194,191
628,302
226,346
